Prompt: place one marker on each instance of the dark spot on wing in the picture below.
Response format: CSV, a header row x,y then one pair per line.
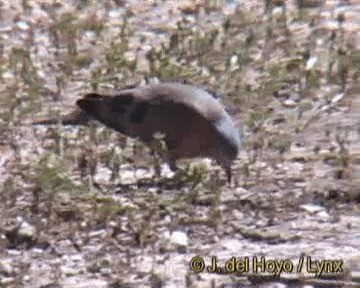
x,y
139,113
120,103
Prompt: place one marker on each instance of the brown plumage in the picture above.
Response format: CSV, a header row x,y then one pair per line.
x,y
194,123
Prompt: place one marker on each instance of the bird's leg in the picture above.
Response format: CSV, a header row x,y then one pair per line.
x,y
172,165
228,174
156,163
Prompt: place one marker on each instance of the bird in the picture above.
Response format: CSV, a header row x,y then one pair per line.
x,y
192,120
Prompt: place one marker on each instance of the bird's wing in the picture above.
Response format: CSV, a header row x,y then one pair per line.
x,y
192,97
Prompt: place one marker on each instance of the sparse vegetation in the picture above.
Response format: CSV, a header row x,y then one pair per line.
x,y
92,198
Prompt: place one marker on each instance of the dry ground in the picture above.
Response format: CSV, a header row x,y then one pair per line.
x,y
81,206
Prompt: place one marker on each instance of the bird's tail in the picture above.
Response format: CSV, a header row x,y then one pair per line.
x,y
76,117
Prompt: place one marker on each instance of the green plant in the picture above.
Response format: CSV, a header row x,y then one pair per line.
x,y
343,157
107,209
280,74
50,178
117,60
67,28
280,143
256,119
166,67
